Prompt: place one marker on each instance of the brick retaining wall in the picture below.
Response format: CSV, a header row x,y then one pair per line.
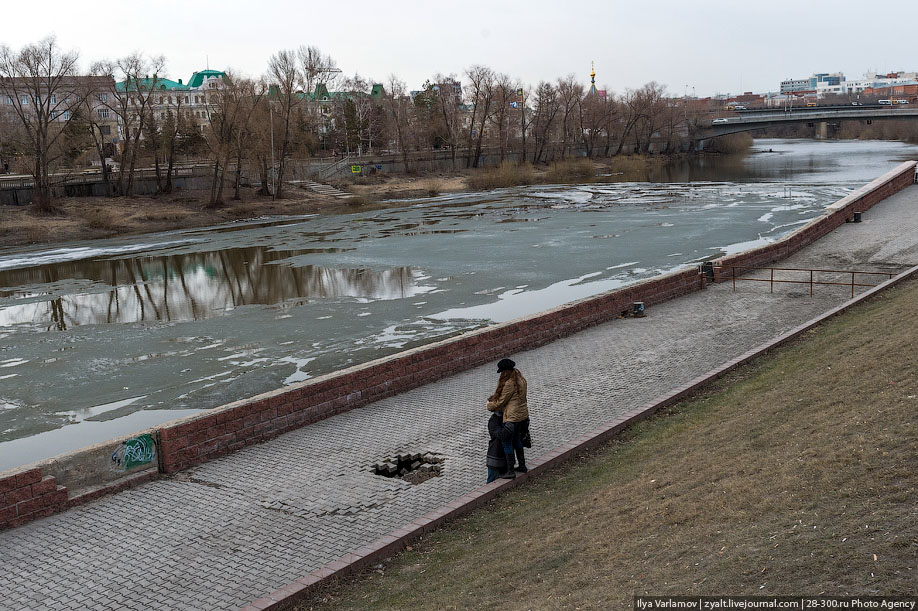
x,y
203,437
836,215
27,495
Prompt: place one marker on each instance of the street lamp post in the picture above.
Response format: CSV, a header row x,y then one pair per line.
x,y
271,120
522,125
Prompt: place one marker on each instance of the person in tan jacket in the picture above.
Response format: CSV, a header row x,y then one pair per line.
x,y
510,398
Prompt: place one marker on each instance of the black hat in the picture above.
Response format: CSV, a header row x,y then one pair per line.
x,y
505,365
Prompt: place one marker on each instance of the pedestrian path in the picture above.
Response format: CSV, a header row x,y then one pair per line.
x,y
227,532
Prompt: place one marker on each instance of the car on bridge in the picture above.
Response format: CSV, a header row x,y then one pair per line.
x,y
719,121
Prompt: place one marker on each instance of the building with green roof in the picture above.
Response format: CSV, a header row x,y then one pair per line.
x,y
198,79
156,83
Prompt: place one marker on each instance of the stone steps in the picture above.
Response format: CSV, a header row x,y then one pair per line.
x,y
320,188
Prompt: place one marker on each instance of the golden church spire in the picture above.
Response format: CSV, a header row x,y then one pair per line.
x,y
592,90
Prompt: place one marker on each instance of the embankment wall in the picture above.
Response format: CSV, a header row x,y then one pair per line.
x,y
53,485
837,214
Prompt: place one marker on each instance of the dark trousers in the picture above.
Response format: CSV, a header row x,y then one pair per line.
x,y
513,435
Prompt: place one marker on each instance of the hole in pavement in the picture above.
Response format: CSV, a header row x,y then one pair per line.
x,y
413,468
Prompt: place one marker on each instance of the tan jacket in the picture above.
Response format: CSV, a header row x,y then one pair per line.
x,y
512,401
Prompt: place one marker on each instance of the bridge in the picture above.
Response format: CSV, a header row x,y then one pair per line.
x,y
762,119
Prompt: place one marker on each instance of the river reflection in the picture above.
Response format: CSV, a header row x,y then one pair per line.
x,y
185,287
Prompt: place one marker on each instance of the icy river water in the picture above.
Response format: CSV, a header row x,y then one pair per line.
x,y
103,338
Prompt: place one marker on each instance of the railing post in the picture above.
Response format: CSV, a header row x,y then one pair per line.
x,y
852,285
772,283
811,283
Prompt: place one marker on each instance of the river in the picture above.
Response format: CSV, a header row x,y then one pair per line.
x,y
102,338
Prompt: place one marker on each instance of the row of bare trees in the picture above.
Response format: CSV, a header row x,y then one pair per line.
x,y
302,106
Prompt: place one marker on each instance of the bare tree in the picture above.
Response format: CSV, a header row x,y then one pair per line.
x,y
173,125
397,106
252,100
131,100
570,92
632,108
522,95
592,111
611,117
39,83
316,68
97,122
285,77
363,122
449,94
504,92
236,101
259,142
648,107
547,107
481,96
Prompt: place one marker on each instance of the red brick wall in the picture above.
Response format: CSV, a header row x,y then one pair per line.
x,y
238,425
26,495
861,200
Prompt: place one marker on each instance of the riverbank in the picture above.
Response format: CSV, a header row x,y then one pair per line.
x,y
306,513
793,474
88,218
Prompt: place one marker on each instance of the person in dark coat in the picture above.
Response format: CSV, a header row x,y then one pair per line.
x,y
497,461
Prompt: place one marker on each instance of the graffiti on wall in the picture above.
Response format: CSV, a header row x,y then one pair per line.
x,y
134,452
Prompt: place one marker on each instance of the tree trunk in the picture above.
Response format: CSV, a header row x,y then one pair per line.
x,y
279,184
168,187
212,202
125,153
130,183
159,178
238,175
263,170
219,201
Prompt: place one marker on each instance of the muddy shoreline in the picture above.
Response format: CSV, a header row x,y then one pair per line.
x,y
88,218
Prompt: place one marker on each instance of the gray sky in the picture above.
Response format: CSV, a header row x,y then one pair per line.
x,y
713,46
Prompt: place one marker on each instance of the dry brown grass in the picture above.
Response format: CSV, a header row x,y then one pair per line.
x,y
432,186
797,474
359,200
101,218
570,170
507,175
166,214
83,218
629,164
733,144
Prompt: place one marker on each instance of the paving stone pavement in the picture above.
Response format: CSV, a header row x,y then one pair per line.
x,y
227,532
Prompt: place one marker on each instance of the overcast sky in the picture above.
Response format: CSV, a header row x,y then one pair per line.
x,y
705,46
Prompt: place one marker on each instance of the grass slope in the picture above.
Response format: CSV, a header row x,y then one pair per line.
x,y
794,475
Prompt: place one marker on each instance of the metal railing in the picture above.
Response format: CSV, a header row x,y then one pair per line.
x,y
811,281
328,170
94,176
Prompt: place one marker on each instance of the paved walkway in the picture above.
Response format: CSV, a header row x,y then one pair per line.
x,y
223,534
